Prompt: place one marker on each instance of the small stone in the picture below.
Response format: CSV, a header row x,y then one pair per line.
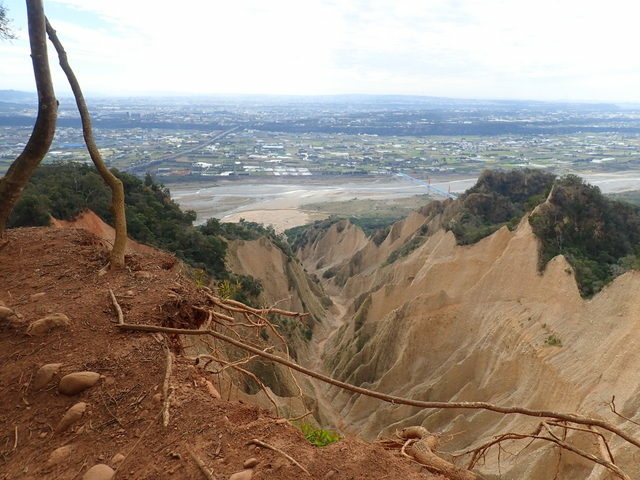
x,y
6,313
77,382
243,475
71,416
250,462
142,275
37,296
59,455
157,397
330,474
211,389
99,472
54,321
116,460
43,435
129,293
44,375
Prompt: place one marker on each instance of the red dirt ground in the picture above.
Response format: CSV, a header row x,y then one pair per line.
x,y
57,271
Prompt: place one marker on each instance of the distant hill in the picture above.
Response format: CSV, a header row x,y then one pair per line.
x,y
17,96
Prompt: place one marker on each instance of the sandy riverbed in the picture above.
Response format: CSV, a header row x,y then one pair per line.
x,y
280,202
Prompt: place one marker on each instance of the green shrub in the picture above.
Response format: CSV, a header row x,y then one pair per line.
x,y
599,237
552,340
318,437
405,249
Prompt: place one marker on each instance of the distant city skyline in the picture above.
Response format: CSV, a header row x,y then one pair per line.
x,y
486,49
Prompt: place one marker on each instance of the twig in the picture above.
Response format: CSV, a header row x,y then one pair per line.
x,y
117,307
612,406
15,440
296,419
203,468
236,366
165,387
569,417
255,441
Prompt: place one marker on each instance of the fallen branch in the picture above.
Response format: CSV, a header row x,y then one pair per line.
x,y
569,417
553,438
203,468
255,441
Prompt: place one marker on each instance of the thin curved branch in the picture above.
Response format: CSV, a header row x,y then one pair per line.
x,y
569,417
114,183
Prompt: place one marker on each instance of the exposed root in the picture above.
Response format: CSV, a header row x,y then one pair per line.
x,y
166,394
255,441
422,450
116,305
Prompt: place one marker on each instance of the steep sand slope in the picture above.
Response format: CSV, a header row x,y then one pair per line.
x,y
91,222
471,323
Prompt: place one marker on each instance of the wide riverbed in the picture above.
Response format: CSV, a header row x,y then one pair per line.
x,y
281,202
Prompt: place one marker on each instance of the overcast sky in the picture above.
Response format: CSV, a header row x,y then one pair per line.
x,y
518,49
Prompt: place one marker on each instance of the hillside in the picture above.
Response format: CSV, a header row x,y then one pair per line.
x,y
521,294
46,271
481,322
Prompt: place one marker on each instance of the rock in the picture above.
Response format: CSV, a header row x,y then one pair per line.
x,y
71,416
116,460
211,389
142,275
250,462
44,375
59,455
77,382
54,321
6,313
99,472
330,474
243,475
37,296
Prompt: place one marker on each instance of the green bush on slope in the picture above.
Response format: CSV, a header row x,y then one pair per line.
x,y
65,190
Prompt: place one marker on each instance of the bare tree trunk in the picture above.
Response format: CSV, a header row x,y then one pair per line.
x,y
117,189
12,184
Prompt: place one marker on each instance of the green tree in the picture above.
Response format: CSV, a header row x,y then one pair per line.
x,y
5,30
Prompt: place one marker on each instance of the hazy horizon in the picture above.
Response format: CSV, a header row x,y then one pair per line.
x,y
576,51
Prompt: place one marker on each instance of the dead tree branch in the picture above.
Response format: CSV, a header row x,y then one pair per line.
x,y
569,417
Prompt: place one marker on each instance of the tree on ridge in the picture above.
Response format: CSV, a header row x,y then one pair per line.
x,y
19,172
115,184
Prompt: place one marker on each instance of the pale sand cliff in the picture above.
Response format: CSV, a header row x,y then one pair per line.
x,y
452,322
